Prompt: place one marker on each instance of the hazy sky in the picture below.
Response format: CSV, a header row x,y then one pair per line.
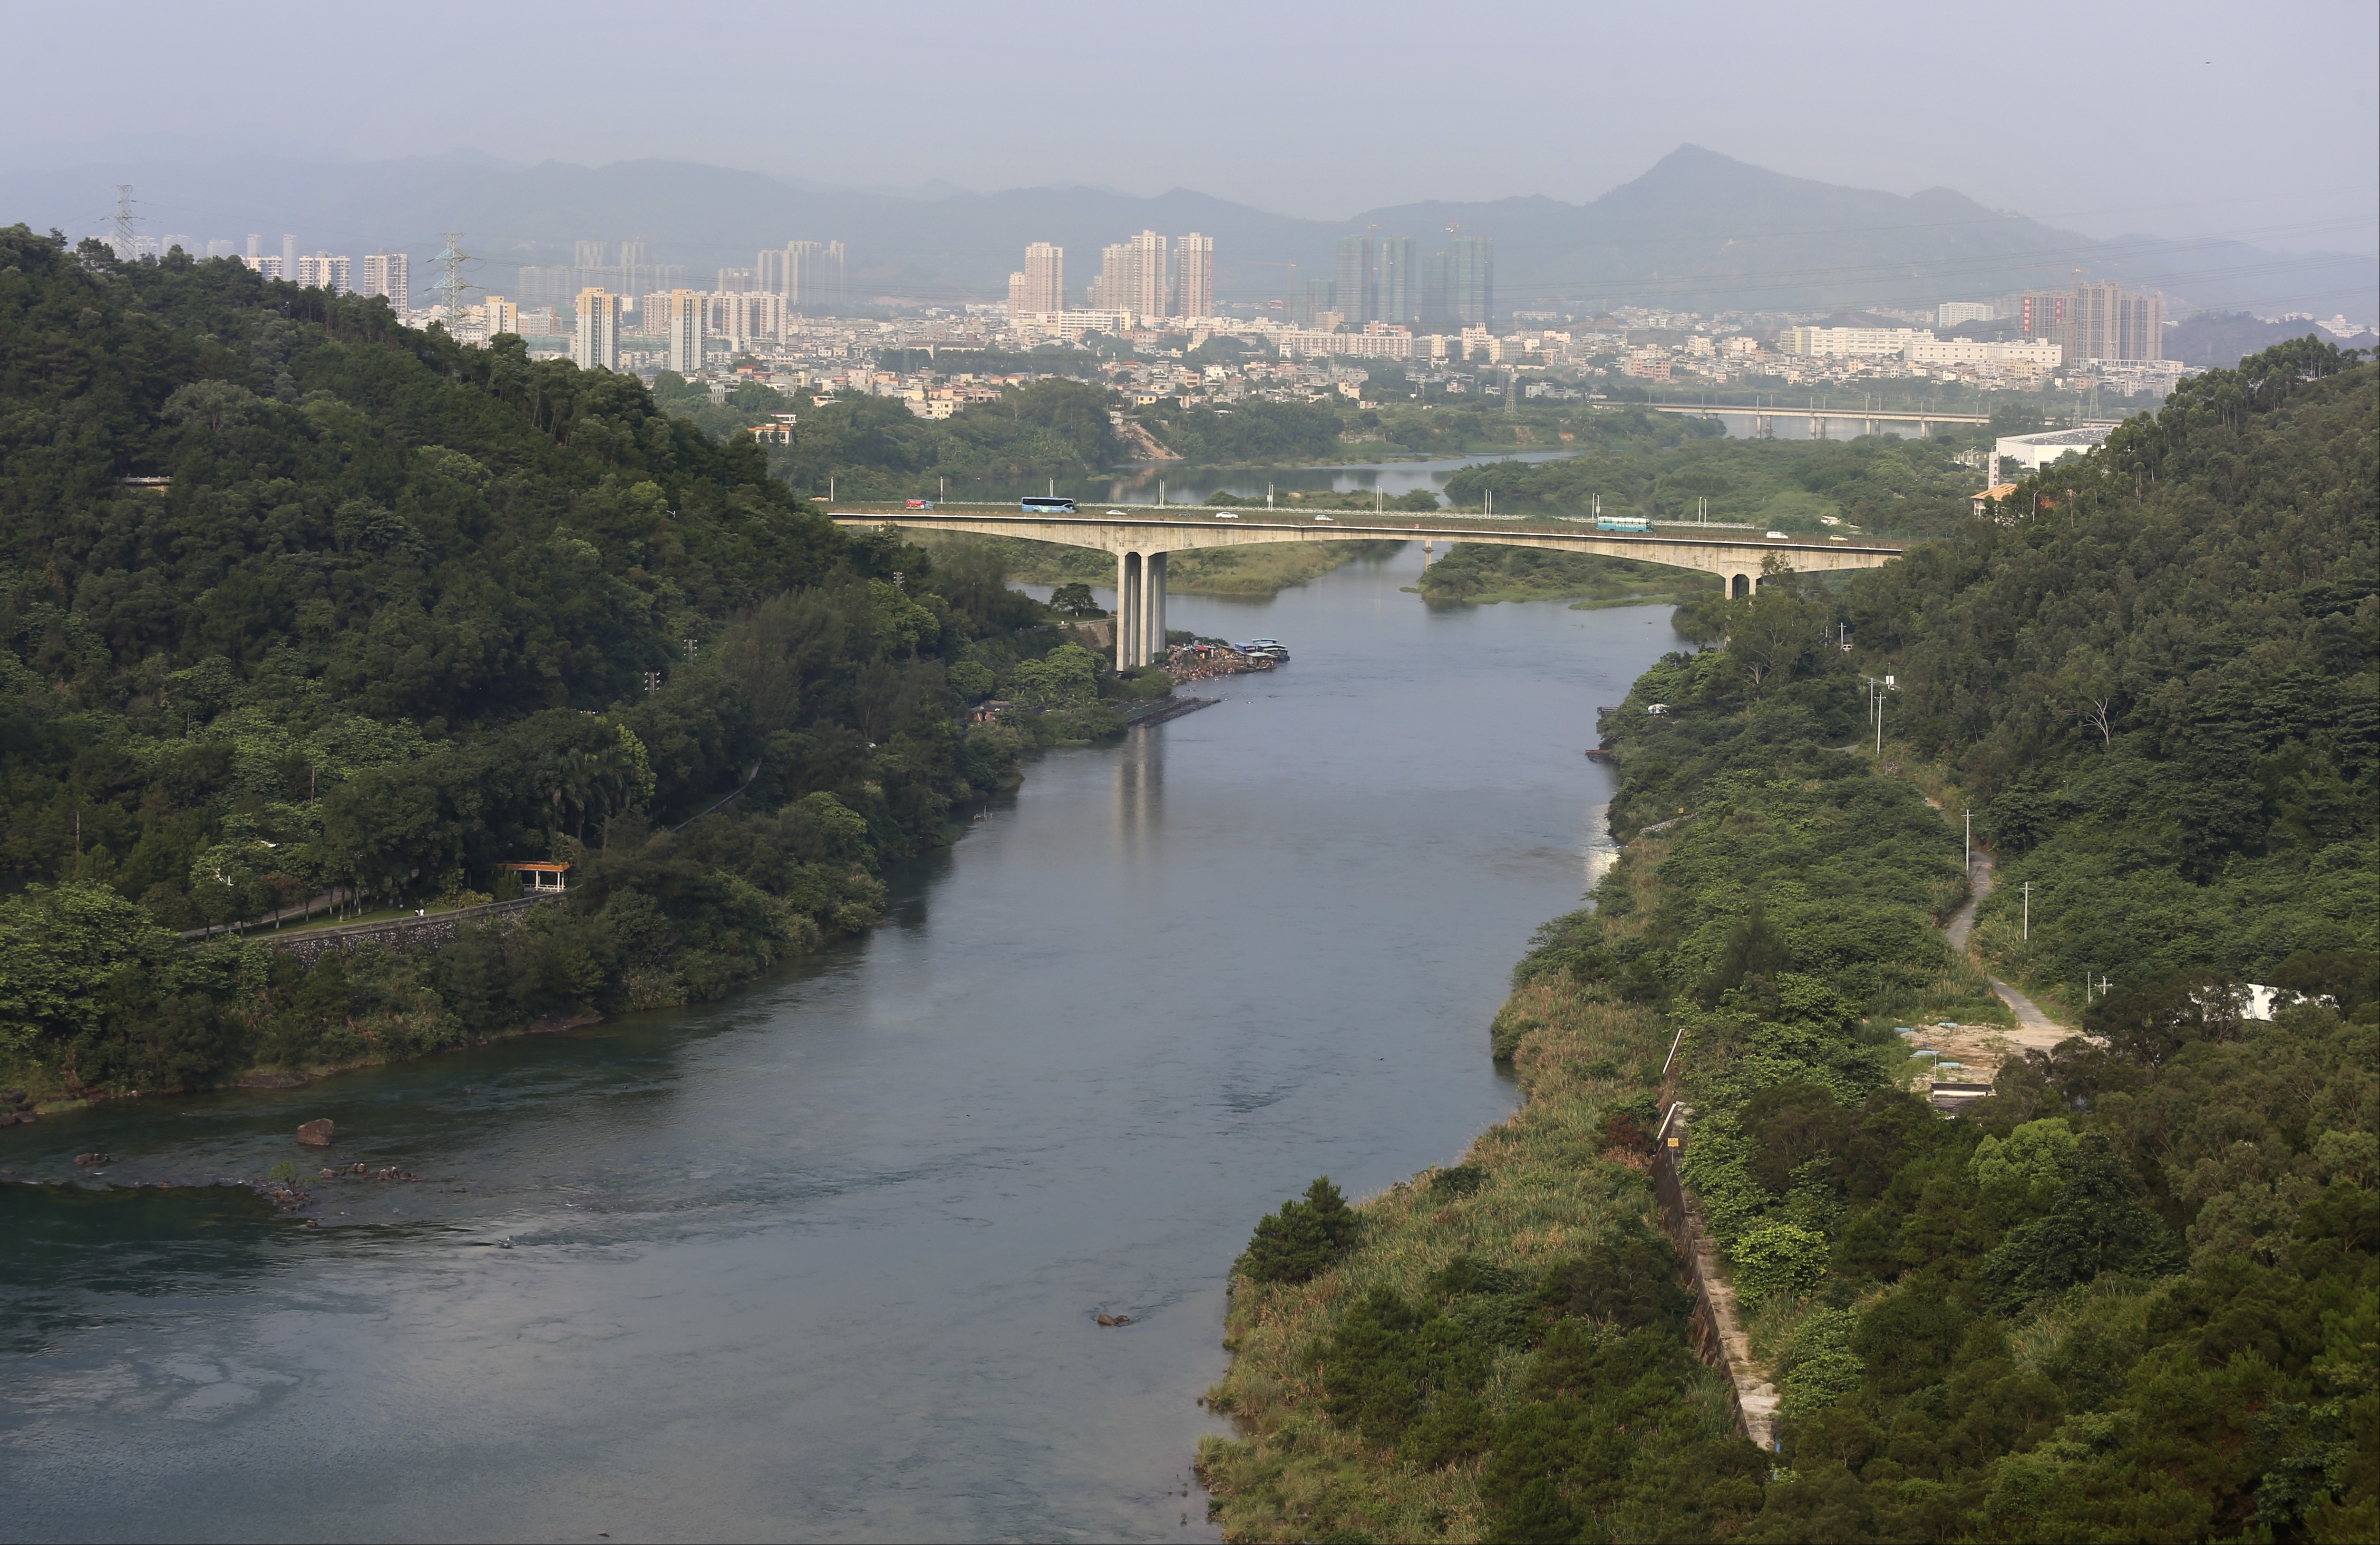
x,y
2193,118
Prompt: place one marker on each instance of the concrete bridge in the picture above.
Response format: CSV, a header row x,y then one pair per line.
x,y
1142,540
1764,419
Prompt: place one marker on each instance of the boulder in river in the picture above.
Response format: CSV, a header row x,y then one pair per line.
x,y
316,1134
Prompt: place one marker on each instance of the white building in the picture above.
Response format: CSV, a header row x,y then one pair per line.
x,y
1926,349
685,333
1950,313
1843,342
388,273
596,343
2035,451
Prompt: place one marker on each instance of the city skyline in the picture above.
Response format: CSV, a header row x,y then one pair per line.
x,y
1792,243
2099,160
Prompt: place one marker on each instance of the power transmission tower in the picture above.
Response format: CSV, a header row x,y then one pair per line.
x,y
451,286
120,223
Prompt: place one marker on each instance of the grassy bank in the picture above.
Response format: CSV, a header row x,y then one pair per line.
x,y
1479,574
1533,1191
1263,569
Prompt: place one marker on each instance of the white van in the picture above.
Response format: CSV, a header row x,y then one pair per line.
x,y
1225,514
1777,537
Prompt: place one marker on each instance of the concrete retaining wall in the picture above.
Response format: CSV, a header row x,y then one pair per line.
x,y
1718,1327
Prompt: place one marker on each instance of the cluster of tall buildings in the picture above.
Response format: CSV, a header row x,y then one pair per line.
x,y
1148,276
1389,280
803,275
2097,321
384,272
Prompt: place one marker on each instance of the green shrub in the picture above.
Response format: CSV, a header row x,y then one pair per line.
x,y
1305,1238
1774,1259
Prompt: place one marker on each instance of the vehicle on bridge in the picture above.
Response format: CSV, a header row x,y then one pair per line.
x,y
921,504
1225,514
1623,523
1035,504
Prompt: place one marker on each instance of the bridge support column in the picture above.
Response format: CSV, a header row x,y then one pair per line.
x,y
1153,589
1127,606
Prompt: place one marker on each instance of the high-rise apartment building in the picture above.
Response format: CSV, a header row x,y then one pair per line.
x,y
1471,282
322,271
809,275
595,343
255,248
1950,313
1194,275
288,256
388,273
1109,290
223,249
735,281
1135,276
684,335
2042,314
2107,322
591,253
1358,299
1045,277
499,315
1398,281
1152,276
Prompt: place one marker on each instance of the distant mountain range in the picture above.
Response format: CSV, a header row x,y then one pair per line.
x,y
1698,230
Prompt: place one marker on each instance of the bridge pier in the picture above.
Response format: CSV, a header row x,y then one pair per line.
x,y
1140,608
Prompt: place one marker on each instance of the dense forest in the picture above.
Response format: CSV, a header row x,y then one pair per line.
x,y
1875,483
2135,1293
303,604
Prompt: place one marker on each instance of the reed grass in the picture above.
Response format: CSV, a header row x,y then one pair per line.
x,y
1550,1189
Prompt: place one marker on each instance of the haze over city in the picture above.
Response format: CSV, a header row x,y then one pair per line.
x,y
1347,773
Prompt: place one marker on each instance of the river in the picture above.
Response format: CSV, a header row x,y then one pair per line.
x,y
821,1261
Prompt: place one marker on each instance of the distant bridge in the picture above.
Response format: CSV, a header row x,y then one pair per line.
x,y
1764,418
1141,542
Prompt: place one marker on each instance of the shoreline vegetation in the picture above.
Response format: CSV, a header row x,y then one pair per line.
x,y
2132,1293
301,601
1260,571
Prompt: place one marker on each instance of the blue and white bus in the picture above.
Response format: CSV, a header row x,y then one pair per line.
x,y
1623,523
1033,504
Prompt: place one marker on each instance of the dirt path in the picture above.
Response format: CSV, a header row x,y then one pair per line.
x,y
2035,1031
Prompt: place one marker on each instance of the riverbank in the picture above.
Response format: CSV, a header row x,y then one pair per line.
x,y
1821,849
1255,572
1480,574
917,1164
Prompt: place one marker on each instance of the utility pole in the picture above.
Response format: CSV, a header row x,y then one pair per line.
x,y
2028,910
1971,841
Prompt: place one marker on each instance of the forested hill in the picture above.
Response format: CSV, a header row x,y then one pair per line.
x,y
2132,1293
2163,690
297,598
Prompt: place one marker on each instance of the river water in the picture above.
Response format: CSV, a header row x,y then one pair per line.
x,y
822,1261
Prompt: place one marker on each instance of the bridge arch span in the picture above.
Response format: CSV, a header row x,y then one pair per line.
x,y
1141,542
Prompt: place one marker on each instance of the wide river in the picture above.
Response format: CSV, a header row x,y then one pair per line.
x,y
822,1261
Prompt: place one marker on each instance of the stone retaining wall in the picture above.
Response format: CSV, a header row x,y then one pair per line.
x,y
405,935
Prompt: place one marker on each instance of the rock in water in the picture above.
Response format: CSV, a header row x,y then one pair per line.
x,y
316,1134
